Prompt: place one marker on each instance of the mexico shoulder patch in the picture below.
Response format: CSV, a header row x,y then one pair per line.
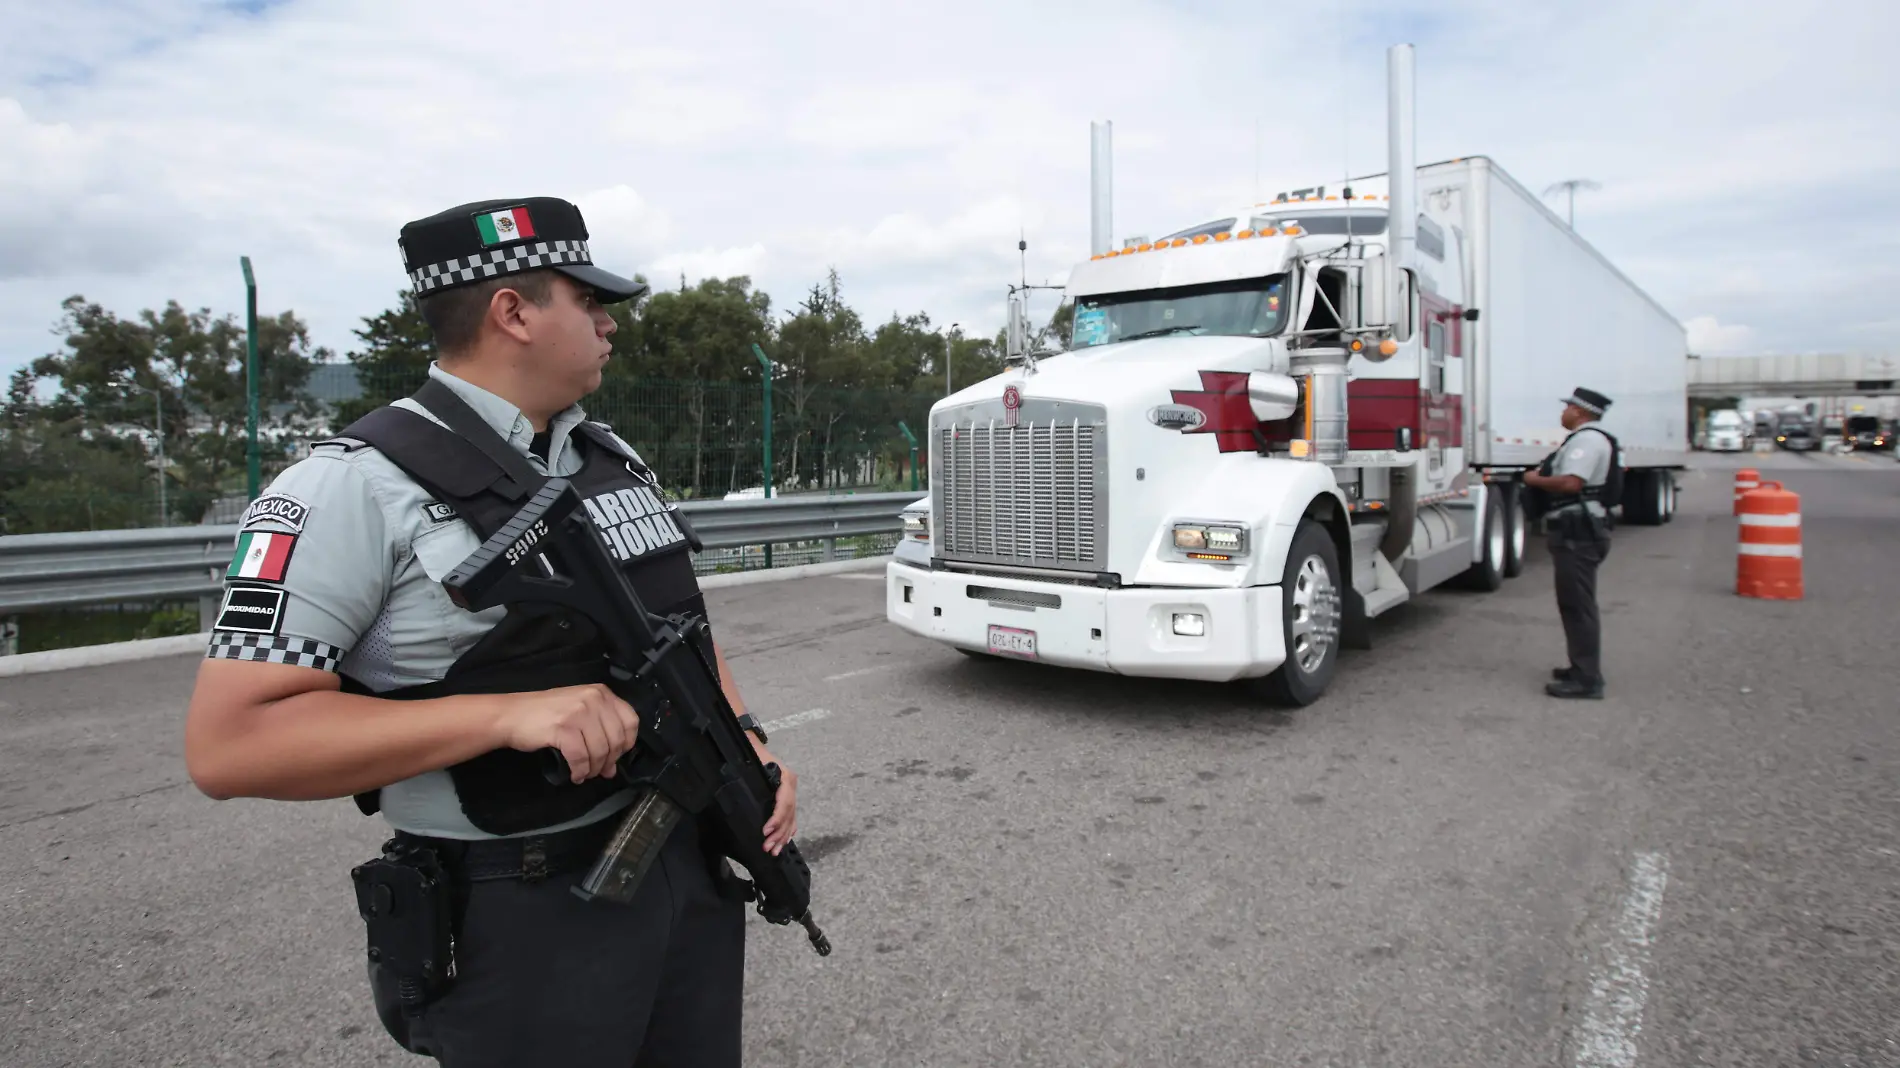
x,y
251,610
276,509
261,555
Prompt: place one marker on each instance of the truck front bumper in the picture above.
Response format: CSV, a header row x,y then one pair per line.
x,y
1124,631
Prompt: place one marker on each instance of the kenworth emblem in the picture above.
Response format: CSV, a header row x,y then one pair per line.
x,y
1176,417
1012,401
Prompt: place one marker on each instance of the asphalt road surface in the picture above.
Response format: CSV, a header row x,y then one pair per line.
x,y
1435,866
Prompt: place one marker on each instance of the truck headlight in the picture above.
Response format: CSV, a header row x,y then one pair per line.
x,y
1210,541
917,525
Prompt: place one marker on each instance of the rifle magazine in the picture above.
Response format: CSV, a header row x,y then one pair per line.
x,y
623,864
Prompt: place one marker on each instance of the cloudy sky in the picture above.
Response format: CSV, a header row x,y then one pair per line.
x,y
1746,150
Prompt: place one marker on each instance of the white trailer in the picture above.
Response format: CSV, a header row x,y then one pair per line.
x,y
1275,425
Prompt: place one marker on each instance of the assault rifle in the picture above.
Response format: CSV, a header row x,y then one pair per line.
x,y
691,753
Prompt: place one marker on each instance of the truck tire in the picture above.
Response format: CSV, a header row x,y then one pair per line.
x,y
1670,492
1642,499
1513,495
1310,620
1494,539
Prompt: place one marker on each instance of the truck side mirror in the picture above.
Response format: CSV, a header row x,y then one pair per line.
x,y
1471,315
1375,293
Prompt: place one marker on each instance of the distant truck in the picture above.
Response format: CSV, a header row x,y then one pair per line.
x,y
1281,422
1865,433
1726,431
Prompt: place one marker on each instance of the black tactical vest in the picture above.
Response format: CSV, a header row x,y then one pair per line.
x,y
471,470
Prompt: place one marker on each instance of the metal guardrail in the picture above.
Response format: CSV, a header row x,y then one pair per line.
x,y
41,571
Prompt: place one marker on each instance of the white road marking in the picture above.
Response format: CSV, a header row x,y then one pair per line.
x,y
879,577
860,671
796,718
1613,1018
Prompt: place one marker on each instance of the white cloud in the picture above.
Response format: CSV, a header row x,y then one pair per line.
x,y
1710,338
707,263
151,144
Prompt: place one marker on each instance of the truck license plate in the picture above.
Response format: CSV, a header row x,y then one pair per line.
x,y
1012,641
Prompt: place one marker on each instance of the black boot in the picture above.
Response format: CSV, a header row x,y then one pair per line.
x,y
1574,687
1563,673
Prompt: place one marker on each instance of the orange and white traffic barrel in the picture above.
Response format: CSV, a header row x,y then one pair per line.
x,y
1768,559
1746,479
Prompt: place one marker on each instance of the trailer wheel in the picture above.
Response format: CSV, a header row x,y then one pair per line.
x,y
1670,491
1643,499
1512,493
1310,617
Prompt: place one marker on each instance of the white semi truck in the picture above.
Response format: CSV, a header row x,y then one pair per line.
x,y
1275,425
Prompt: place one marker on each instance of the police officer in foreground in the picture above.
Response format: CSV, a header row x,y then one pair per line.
x,y
339,667
1579,481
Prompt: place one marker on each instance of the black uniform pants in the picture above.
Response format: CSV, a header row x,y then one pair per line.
x,y
545,978
1576,549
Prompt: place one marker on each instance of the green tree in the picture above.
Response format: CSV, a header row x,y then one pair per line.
x,y
115,375
54,478
392,362
693,364
822,354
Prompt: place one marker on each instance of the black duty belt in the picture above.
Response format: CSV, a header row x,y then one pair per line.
x,y
529,856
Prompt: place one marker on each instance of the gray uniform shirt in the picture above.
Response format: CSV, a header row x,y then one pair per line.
x,y
340,567
1587,456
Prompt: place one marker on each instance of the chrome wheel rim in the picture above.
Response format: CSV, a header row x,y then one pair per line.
x,y
1494,545
1315,612
1517,533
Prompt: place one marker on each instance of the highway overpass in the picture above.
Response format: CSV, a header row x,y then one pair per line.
x,y
1815,375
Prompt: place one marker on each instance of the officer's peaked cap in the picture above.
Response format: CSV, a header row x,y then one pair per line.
x,y
1589,400
491,238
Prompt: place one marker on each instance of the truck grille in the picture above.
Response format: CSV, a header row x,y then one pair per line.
x,y
1028,495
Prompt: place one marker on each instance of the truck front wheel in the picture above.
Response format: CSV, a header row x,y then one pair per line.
x,y
1310,617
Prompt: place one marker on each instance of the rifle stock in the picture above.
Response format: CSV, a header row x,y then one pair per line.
x,y
691,754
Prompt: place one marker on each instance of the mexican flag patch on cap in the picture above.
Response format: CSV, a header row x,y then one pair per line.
x,y
261,555
500,227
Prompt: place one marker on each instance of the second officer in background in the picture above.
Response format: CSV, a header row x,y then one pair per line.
x,y
1579,483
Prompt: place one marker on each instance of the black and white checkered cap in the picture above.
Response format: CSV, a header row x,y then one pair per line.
x,y
526,256
487,239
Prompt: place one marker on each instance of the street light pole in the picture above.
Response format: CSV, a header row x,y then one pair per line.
x,y
949,348
1570,188
250,378
158,406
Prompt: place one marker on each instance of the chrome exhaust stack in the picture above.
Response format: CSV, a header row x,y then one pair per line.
x,y
1101,187
1401,166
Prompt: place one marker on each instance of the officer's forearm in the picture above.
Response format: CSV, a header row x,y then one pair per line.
x,y
728,682
319,744
1554,483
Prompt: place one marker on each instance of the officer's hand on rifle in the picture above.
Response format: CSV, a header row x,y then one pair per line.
x,y
588,724
782,825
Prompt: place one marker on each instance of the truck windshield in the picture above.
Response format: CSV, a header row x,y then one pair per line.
x,y
1249,307
1359,224
1859,424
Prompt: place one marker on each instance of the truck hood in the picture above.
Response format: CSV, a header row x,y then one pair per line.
x,y
1128,372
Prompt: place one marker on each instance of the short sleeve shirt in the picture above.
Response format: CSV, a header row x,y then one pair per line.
x,y
1586,455
339,566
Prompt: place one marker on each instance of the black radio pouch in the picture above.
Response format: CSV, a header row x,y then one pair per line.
x,y
408,902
